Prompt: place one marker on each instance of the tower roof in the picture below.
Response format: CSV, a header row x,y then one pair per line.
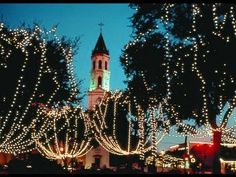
x,y
100,46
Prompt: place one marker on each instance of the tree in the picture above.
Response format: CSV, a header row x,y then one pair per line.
x,y
183,52
116,128
69,135
35,70
124,129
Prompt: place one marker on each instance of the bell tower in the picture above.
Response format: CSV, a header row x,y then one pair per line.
x,y
100,73
99,84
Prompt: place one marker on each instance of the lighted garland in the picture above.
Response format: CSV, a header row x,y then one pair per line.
x,y
108,140
157,127
147,136
228,134
13,141
198,41
163,159
65,139
201,77
220,23
22,45
155,116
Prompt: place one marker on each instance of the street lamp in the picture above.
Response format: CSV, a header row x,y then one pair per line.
x,y
162,154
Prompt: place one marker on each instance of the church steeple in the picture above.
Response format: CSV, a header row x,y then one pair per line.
x,y
100,46
100,72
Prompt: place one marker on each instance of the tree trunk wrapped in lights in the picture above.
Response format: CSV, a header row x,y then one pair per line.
x,y
42,67
122,127
155,116
69,136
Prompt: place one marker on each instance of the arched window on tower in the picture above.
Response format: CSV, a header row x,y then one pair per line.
x,y
100,64
94,65
105,65
99,81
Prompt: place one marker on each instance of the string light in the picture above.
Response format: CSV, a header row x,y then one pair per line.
x,y
16,138
65,143
198,43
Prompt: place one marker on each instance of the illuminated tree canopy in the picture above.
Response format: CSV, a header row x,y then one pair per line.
x,y
123,128
184,53
68,134
35,70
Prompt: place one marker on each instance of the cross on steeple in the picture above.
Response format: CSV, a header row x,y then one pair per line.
x,y
101,24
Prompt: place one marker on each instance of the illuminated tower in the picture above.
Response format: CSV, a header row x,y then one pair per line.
x,y
99,83
99,74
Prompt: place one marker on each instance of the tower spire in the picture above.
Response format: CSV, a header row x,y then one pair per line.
x,y
100,46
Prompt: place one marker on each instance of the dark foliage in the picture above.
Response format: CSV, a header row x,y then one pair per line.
x,y
33,76
199,65
214,58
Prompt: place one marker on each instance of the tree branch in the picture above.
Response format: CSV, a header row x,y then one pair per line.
x,y
226,118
